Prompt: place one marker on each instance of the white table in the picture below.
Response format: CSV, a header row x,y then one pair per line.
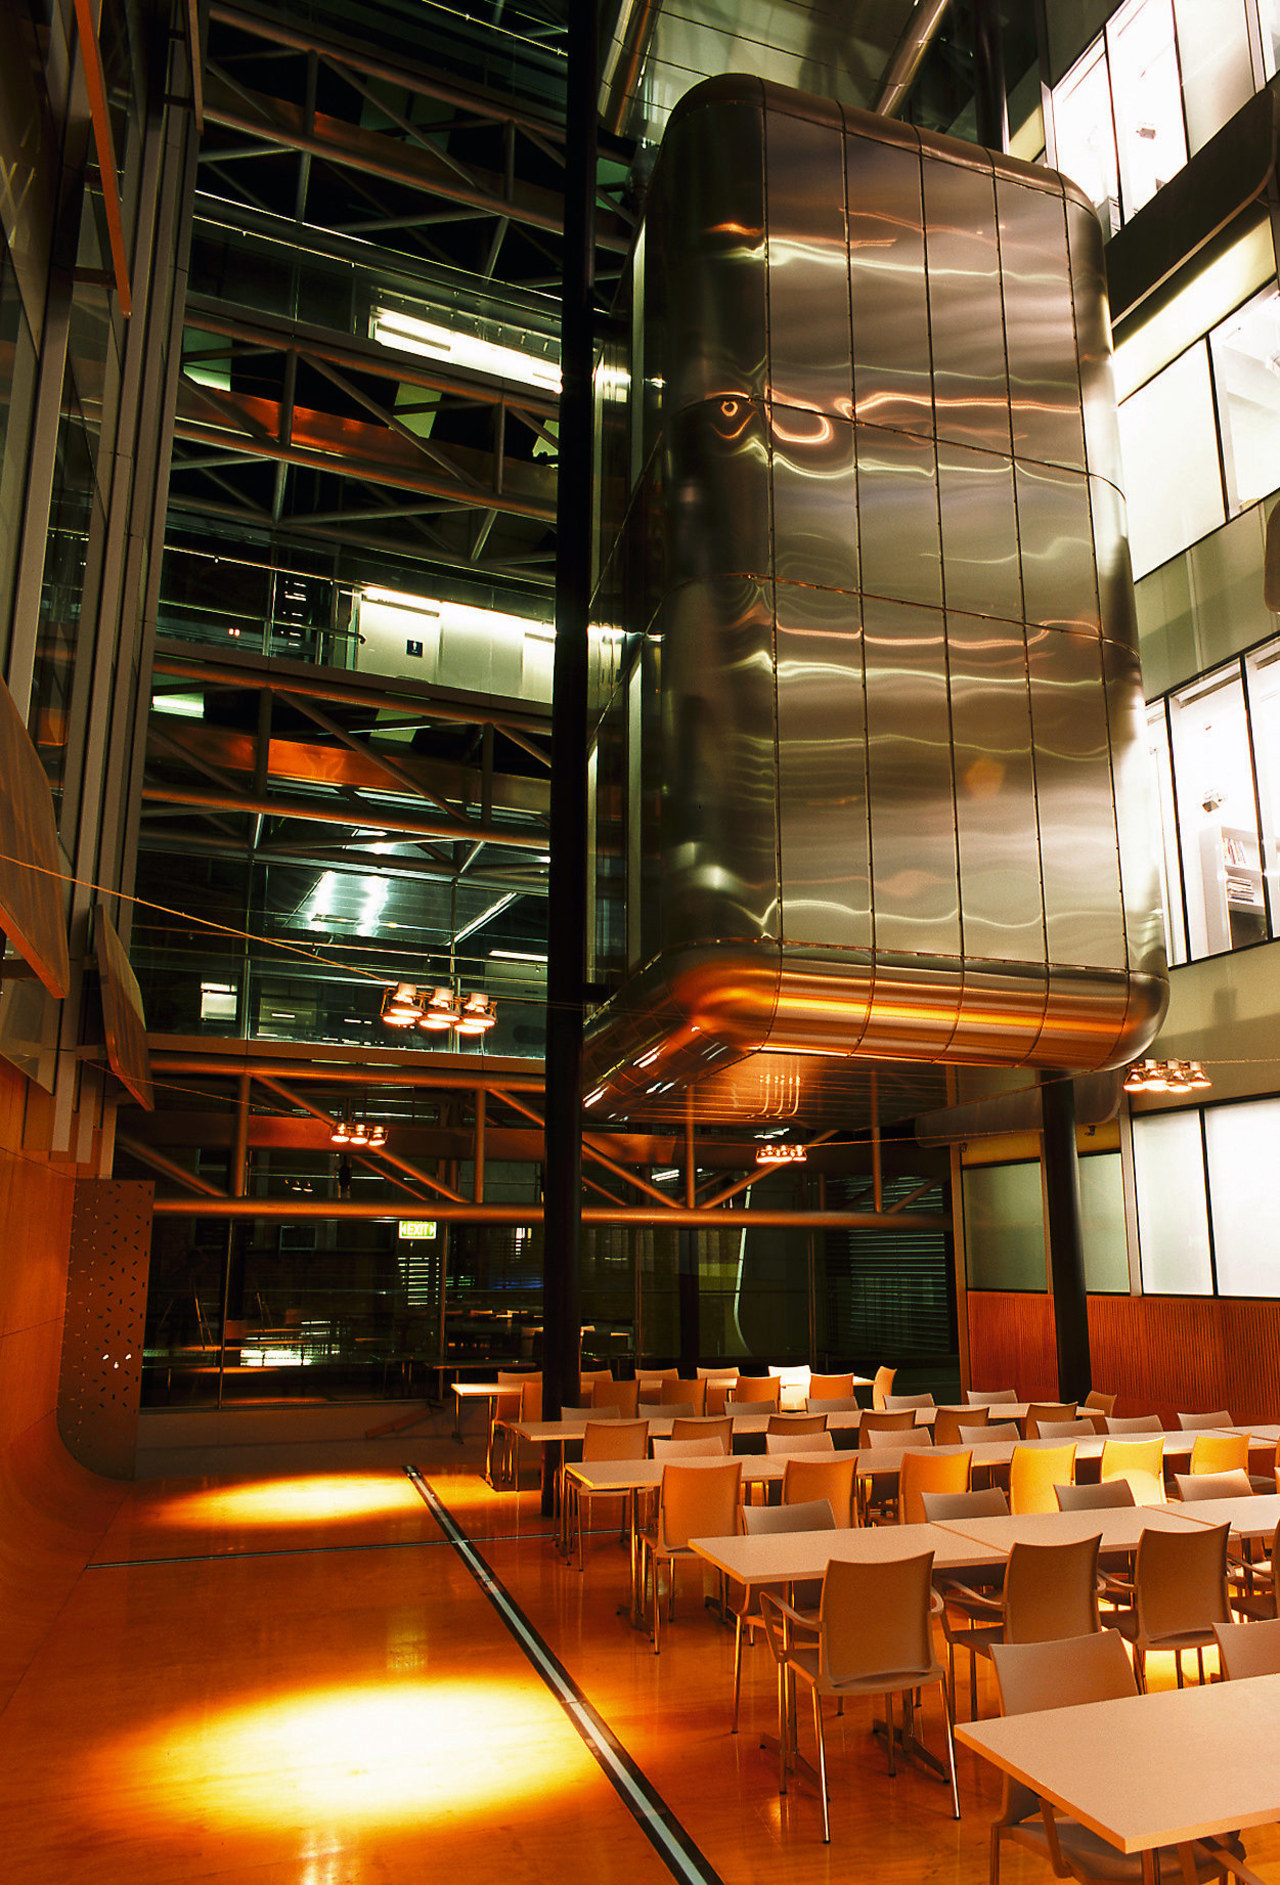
x,y
795,1557
1250,1517
1119,1526
1151,1770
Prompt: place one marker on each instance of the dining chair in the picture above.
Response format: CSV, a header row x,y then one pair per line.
x,y
503,1409
809,1476
990,1397
929,1472
882,1384
587,1380
989,1430
873,1636
827,1387
1049,1591
946,1423
1253,1581
813,1441
504,1442
814,1516
1220,1453
650,1380
1180,1591
693,1502
717,1372
674,1410
602,1440
1229,1485
878,1492
721,1383
1032,1677
797,1423
1096,1496
624,1395
1141,1462
881,1420
951,1508
1065,1430
833,1404
1046,1410
704,1447
895,1403
693,1393
1134,1423
755,1391
1034,1471
1100,1403
696,1427
1196,1423
1248,1649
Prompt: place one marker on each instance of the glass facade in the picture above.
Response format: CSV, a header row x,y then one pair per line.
x,y
1208,1191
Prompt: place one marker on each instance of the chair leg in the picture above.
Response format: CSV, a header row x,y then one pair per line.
x,y
995,1854
888,1728
737,1673
951,1751
822,1765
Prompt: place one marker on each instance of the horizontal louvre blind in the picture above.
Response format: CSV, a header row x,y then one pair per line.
x,y
889,1292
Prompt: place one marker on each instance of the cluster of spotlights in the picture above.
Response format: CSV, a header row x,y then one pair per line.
x,y
435,1010
1166,1076
358,1132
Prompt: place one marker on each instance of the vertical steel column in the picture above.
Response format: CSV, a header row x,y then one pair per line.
x,y
689,1298
566,939
990,105
1066,1246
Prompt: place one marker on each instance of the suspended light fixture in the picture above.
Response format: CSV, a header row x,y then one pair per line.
x,y
436,1010
477,1015
1166,1076
440,1011
357,1131
401,1007
781,1154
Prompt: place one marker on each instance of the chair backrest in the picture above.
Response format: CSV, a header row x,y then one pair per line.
x,y
675,1410
615,1440
990,1397
1195,1423
829,1387
694,1391
1035,1676
1100,1403
879,1420
1065,1429
821,1476
1181,1580
610,1411
1141,1462
531,1400
808,1442
704,1448
624,1395
833,1404
1248,1649
718,1373
986,1502
721,1431
1095,1496
587,1380
1230,1485
1034,1471
899,1437
947,1420
929,1472
757,1390
994,1430
1220,1453
1134,1423
894,1403
650,1380
882,1384
1051,1591
875,1618
1046,1410
815,1515
797,1423
698,1502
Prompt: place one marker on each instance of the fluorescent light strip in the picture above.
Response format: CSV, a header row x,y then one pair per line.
x,y
409,334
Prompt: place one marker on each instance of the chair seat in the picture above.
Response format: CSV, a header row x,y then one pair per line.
x,y
1127,1623
804,1660
1095,1858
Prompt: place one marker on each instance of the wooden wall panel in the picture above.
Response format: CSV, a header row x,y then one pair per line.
x,y
1158,1354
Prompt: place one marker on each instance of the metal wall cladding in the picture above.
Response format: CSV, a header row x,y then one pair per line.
x,y
901,760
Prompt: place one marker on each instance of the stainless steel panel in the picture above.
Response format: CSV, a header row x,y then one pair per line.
x,y
970,381
822,770
1084,1019
1093,343
1079,859
1136,817
1001,1014
898,516
915,1005
719,827
1002,916
915,895
712,259
1044,383
1115,570
716,508
1055,535
891,366
810,348
815,499
980,568
821,1000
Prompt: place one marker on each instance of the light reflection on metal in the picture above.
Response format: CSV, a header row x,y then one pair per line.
x,y
1166,1076
890,799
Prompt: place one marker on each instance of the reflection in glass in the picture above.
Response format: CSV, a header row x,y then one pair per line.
x,y
1244,1185
1150,134
1169,447
1173,1226
1246,368
1217,814
1084,137
1170,866
1004,1227
1264,714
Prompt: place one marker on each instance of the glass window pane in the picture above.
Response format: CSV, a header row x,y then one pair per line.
x,y
1170,870
1150,134
1085,146
1004,1227
1106,1251
1221,858
1173,1224
1169,446
1246,350
1264,715
1217,71
1244,1186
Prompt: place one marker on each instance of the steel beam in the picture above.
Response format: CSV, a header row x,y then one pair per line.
x,y
362,813
306,1209
170,1167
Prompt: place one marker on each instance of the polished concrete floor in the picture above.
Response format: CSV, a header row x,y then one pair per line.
x,y
289,1675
